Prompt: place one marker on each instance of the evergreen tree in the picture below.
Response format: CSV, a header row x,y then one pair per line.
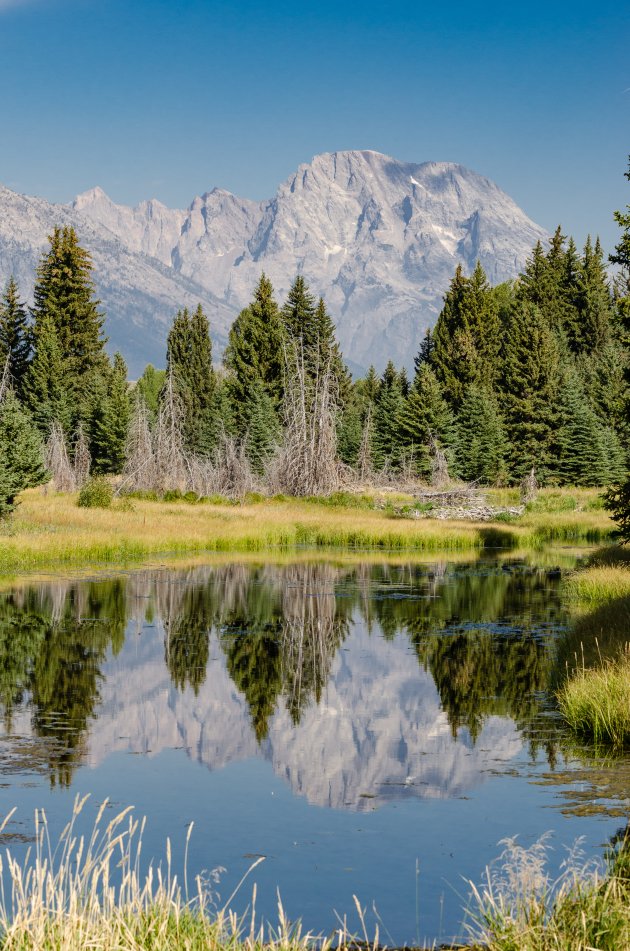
x,y
109,425
594,300
21,453
15,339
425,352
480,440
350,427
189,360
149,387
389,406
45,389
299,318
425,415
64,292
329,351
466,338
254,351
262,426
581,454
530,379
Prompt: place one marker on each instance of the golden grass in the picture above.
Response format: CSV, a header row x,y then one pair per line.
x,y
50,530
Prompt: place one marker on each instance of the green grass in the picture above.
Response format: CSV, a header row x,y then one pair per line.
x,y
519,907
50,530
596,702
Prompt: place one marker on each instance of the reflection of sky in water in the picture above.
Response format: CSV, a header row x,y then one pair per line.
x,y
364,732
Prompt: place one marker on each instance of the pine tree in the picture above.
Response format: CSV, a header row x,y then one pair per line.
x,y
189,360
298,317
389,406
64,292
350,427
109,427
425,415
480,440
329,351
15,338
530,380
149,387
262,427
594,300
466,338
254,350
45,390
21,453
581,456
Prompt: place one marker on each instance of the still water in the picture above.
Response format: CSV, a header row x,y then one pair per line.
x,y
372,730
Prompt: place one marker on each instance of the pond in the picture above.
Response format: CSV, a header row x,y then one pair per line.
x,y
370,729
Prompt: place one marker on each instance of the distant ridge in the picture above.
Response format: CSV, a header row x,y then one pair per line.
x,y
379,238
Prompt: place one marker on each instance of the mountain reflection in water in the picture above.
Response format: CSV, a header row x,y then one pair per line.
x,y
359,684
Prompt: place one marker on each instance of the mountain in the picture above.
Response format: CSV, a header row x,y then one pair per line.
x,y
378,238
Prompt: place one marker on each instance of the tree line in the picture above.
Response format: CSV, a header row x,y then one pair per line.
x,y
529,373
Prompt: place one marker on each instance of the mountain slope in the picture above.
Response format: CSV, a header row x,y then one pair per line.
x,y
380,239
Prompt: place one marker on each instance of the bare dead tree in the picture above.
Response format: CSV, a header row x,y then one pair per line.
x,y
171,465
139,470
82,459
57,460
306,463
365,465
233,471
439,465
5,379
529,487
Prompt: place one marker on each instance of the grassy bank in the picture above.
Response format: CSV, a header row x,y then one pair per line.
x,y
596,702
519,908
50,530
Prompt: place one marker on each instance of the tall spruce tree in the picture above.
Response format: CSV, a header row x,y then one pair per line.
x,y
64,293
45,387
529,384
15,338
254,350
21,453
594,300
480,439
582,457
110,422
390,403
149,386
262,427
298,316
189,360
425,416
466,338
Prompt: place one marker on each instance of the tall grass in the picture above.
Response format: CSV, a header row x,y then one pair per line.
x,y
519,907
90,892
596,702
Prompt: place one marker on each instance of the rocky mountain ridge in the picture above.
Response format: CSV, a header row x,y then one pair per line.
x,y
378,238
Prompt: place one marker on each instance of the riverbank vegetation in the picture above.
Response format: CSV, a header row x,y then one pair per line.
x,y
51,529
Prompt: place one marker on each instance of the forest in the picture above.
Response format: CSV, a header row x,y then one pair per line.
x,y
527,375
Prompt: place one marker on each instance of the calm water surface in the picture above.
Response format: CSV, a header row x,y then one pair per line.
x,y
372,730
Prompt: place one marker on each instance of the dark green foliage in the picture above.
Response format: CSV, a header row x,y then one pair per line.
x,y
110,419
187,646
262,427
530,380
425,415
390,403
45,387
149,387
21,455
189,360
15,337
480,440
97,493
465,343
298,317
254,662
64,294
350,428
254,351
582,458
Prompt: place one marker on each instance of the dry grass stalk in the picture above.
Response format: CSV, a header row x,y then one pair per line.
x,y
57,461
306,463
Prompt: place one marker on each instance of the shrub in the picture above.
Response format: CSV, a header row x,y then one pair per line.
x,y
97,493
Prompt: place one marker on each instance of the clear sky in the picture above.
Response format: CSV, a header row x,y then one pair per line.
x,y
165,99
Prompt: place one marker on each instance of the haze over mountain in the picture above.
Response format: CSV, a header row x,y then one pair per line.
x,y
378,238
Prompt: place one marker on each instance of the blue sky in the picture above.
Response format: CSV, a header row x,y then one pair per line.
x,y
167,99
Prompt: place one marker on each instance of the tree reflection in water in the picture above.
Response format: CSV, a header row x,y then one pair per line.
x,y
483,631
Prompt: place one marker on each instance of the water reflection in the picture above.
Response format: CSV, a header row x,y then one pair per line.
x,y
316,658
